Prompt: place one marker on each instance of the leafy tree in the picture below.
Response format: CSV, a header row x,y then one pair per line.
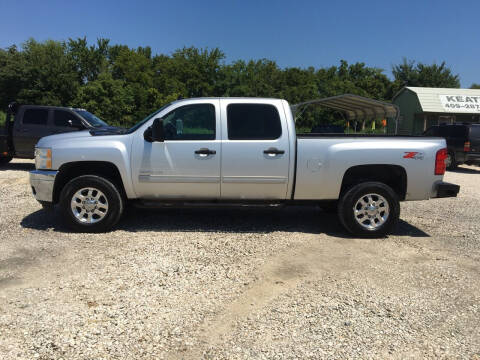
x,y
254,78
108,98
408,73
49,75
89,61
475,86
12,75
123,85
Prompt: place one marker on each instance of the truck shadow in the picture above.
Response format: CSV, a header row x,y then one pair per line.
x,y
465,170
18,166
230,220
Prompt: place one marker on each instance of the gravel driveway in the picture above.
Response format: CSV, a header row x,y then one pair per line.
x,y
239,283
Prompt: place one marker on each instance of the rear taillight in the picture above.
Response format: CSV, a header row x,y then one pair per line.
x,y
440,166
466,146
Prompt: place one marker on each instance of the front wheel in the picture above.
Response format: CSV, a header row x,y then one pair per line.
x,y
369,209
91,203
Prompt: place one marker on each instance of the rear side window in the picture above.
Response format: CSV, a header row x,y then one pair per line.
x,y
475,132
61,118
253,122
35,117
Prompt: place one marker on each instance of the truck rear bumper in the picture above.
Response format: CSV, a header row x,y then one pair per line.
x,y
472,157
42,182
445,189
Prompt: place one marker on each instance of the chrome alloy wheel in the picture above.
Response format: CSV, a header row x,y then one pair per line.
x,y
371,211
89,205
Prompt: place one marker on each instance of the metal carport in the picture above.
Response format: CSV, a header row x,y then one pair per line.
x,y
355,108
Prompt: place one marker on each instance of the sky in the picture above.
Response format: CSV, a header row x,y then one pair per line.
x,y
292,33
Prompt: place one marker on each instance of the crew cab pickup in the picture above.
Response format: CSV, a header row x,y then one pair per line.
x,y
31,122
235,150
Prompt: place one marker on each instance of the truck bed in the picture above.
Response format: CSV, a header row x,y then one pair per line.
x,y
323,159
335,135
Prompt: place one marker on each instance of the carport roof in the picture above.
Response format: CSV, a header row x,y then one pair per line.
x,y
355,107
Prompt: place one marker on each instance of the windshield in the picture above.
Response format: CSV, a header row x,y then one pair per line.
x,y
91,119
137,125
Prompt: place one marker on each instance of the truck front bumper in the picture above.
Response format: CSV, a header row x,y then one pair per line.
x,y
42,182
445,189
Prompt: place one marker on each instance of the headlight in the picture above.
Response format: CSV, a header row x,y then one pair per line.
x,y
43,158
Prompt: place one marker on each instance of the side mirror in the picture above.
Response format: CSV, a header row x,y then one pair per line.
x,y
155,132
75,124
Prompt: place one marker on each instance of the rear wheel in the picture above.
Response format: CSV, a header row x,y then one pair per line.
x,y
5,160
91,203
450,161
369,209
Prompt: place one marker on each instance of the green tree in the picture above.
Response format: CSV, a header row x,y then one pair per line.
x,y
190,72
12,75
254,78
108,98
409,73
49,74
89,61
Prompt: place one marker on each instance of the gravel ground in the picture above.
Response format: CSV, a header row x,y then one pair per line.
x,y
239,283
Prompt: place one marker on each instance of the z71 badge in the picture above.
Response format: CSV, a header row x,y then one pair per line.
x,y
413,155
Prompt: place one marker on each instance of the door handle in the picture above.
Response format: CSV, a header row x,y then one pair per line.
x,y
205,152
273,151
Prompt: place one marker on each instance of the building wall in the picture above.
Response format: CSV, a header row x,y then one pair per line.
x,y
409,105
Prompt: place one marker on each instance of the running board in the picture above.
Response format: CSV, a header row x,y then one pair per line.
x,y
202,204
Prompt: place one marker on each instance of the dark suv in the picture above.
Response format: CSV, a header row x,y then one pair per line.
x,y
463,142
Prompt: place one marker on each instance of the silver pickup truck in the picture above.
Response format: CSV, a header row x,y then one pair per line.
x,y
235,150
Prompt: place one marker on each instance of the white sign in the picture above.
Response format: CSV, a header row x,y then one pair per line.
x,y
460,103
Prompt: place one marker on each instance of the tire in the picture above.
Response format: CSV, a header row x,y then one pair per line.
x,y
380,197
450,161
103,210
5,160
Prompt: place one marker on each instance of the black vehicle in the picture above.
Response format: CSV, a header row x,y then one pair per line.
x,y
26,124
463,142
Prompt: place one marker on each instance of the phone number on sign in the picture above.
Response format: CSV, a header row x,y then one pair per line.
x,y
466,106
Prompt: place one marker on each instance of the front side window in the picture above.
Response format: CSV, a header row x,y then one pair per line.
x,y
253,122
35,117
65,119
190,122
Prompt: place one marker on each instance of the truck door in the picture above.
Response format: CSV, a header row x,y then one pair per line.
x,y
187,164
255,150
30,125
